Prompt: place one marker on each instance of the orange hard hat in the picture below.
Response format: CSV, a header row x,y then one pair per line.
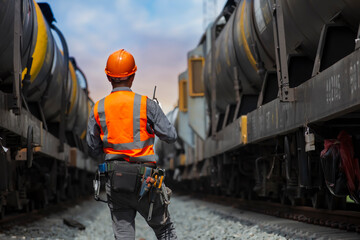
x,y
120,64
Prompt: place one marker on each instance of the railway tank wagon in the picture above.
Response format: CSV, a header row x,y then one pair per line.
x,y
269,83
44,108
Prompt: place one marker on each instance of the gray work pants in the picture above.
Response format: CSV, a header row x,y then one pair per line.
x,y
123,207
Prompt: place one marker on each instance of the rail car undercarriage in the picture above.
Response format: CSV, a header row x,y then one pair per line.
x,y
33,172
274,151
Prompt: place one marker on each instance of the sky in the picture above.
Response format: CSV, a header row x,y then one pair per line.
x,y
158,33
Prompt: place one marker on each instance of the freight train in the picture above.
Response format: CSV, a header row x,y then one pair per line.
x,y
44,108
269,84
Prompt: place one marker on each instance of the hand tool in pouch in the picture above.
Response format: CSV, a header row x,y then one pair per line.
x,y
158,176
144,184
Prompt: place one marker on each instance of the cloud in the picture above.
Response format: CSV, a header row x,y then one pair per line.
x,y
161,18
159,33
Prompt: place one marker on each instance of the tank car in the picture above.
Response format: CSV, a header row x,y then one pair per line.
x,y
44,108
271,82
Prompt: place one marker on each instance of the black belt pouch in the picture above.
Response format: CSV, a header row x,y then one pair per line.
x,y
124,178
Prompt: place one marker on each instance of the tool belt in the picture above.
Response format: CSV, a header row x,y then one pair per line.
x,y
134,177
124,176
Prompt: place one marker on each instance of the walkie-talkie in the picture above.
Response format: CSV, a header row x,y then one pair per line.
x,y
154,98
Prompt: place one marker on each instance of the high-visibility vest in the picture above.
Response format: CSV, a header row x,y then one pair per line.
x,y
122,119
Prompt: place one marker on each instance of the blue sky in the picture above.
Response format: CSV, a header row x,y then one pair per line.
x,y
158,33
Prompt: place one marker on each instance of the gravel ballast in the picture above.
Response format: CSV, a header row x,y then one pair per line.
x,y
194,219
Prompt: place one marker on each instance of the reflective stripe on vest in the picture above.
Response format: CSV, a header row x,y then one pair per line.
x,y
122,119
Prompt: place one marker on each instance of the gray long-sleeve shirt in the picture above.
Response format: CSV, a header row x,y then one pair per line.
x,y
156,119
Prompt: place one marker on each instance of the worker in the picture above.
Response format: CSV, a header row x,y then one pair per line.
x,y
121,128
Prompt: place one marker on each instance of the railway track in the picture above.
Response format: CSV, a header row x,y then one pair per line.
x,y
340,219
25,217
197,216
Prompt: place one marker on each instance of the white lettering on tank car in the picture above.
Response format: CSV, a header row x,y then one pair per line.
x,y
261,123
268,119
354,79
253,127
333,89
286,113
281,117
284,118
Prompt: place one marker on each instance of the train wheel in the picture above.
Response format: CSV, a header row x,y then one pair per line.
x,y
330,201
31,205
27,208
2,213
58,196
202,185
284,200
242,195
251,195
194,186
317,200
237,187
334,202
294,201
217,191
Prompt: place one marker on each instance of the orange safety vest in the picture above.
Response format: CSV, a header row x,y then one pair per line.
x,y
122,119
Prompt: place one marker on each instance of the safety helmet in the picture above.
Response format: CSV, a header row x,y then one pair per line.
x,y
120,64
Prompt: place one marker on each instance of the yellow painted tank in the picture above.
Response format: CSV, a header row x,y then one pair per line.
x,y
44,67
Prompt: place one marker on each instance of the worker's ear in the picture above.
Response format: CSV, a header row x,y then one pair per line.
x,y
108,78
132,79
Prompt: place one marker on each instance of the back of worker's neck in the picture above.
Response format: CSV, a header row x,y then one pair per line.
x,y
116,85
